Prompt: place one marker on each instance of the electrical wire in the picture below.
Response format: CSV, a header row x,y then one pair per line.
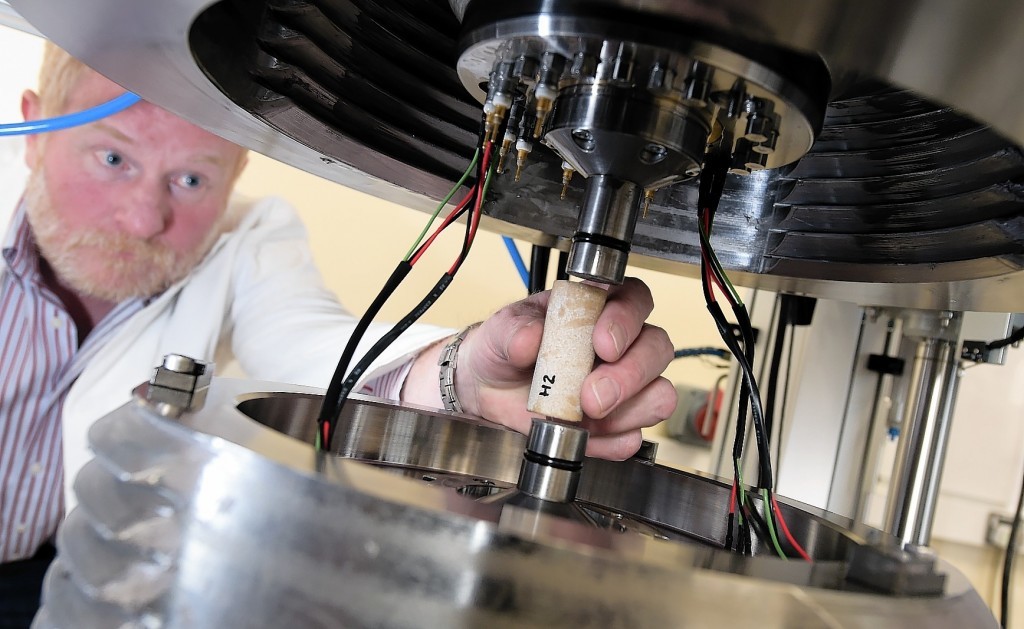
x,y
713,275
1016,337
785,403
561,272
440,206
75,119
457,212
785,530
1011,552
701,351
767,505
342,385
540,258
775,364
517,260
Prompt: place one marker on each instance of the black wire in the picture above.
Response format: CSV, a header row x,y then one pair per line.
x,y
341,385
704,284
709,194
741,419
701,351
404,323
760,527
481,178
785,401
337,393
1016,337
744,358
539,258
562,273
453,218
330,407
746,545
1011,552
751,394
750,383
775,365
383,343
729,523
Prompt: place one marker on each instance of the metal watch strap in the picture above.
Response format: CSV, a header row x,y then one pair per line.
x,y
446,374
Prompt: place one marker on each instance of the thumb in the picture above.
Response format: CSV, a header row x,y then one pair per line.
x,y
504,350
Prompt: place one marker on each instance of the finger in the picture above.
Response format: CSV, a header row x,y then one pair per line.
x,y
622,319
654,404
508,341
615,447
618,436
610,384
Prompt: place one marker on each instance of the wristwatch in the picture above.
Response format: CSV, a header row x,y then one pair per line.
x,y
446,374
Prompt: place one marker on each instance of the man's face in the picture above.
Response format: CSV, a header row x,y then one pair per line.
x,y
126,206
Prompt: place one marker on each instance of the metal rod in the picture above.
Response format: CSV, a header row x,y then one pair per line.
x,y
922,449
879,424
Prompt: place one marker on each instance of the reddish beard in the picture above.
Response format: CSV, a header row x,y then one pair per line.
x,y
101,264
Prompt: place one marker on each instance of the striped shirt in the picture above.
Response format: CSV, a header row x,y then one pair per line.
x,y
40,358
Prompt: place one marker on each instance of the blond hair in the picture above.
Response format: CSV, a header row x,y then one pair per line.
x,y
58,75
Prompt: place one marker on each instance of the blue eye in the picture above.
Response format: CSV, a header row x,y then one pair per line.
x,y
190,180
110,158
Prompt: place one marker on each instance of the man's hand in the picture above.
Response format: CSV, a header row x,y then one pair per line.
x,y
623,394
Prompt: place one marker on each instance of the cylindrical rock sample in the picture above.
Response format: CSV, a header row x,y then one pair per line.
x,y
566,350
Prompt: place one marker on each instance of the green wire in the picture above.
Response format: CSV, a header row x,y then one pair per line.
x,y
771,523
717,266
440,206
487,183
316,442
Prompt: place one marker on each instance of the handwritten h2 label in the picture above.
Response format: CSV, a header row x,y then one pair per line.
x,y
546,383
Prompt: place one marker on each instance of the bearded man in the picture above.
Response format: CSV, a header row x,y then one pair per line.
x,y
126,244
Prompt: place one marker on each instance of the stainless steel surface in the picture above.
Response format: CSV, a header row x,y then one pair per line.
x,y
548,483
600,246
215,518
552,461
557,441
635,84
9,17
932,385
905,199
179,363
636,107
180,383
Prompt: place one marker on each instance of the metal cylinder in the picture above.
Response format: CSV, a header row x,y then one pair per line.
x,y
600,246
922,449
552,461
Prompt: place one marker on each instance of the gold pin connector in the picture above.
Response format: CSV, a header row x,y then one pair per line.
x,y
567,173
648,197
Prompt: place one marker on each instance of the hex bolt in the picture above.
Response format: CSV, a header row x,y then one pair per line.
x,y
179,364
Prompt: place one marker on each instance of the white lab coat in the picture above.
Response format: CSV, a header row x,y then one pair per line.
x,y
257,298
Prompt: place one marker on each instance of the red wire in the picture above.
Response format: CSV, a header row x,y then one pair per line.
x,y
474,219
732,498
444,224
785,530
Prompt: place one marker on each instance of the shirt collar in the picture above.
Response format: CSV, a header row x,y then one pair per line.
x,y
20,250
